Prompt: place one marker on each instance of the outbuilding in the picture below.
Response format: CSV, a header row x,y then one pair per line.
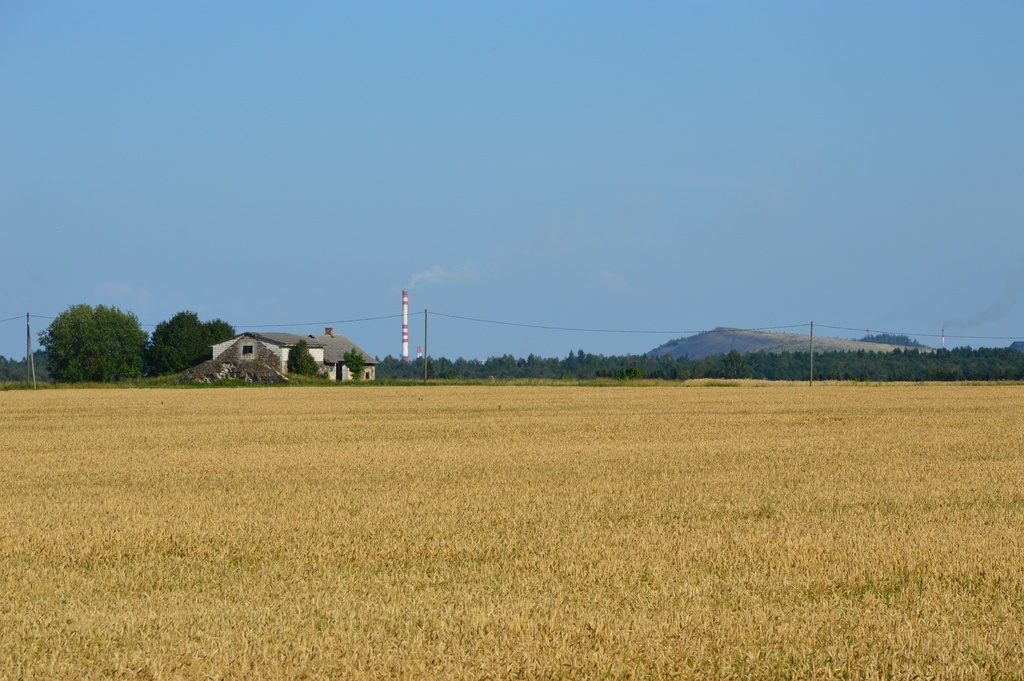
x,y
328,350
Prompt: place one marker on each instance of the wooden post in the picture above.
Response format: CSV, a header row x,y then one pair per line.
x,y
811,381
30,362
28,347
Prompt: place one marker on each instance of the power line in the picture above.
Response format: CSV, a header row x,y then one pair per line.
x,y
759,328
772,328
557,328
544,327
336,321
921,335
280,326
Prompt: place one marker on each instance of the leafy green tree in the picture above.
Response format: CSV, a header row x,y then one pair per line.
x,y
300,361
892,339
182,342
902,364
734,366
355,362
12,370
218,330
86,343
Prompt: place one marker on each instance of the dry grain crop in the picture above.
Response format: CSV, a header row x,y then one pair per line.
x,y
510,531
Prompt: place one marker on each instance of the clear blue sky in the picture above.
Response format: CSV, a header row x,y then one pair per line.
x,y
658,166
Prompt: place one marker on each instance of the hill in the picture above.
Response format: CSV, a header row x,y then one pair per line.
x,y
721,340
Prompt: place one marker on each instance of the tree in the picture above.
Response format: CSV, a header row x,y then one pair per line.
x,y
300,361
17,371
182,342
86,343
218,330
892,339
734,366
355,362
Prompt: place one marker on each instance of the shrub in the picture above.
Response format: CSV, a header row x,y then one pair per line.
x,y
301,362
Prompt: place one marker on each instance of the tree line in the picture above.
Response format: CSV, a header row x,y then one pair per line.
x,y
892,339
16,370
100,344
959,364
103,344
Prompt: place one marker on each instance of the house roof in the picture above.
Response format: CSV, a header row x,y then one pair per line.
x,y
334,346
287,339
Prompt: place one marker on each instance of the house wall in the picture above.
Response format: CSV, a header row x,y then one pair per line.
x,y
277,356
219,348
316,353
269,353
234,350
369,373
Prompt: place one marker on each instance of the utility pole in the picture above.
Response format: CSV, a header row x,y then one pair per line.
x,y
811,381
426,355
30,362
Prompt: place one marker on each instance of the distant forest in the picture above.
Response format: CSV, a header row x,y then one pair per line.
x,y
106,344
892,339
12,370
961,364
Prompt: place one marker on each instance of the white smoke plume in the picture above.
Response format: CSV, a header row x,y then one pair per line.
x,y
1013,288
615,283
468,271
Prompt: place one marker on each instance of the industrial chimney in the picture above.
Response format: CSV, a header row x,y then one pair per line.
x,y
405,326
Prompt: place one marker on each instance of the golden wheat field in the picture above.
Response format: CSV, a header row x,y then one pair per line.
x,y
761,530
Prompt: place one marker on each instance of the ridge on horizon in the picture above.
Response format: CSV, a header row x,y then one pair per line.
x,y
721,340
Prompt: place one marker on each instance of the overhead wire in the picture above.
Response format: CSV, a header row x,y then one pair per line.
x,y
921,335
555,328
545,327
772,328
336,321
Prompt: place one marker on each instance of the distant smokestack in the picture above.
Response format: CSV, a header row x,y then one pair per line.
x,y
329,331
405,326
943,338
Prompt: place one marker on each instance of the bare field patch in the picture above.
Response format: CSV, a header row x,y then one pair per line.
x,y
490,532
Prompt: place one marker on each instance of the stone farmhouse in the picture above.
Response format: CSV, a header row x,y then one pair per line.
x,y
328,349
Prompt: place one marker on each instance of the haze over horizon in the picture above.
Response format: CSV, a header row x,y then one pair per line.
x,y
561,169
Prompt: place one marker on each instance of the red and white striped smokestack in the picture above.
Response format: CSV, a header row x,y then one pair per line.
x,y
405,326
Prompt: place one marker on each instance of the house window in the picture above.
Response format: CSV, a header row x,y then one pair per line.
x,y
246,350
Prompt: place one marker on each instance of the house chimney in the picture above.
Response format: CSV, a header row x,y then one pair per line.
x,y
329,331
